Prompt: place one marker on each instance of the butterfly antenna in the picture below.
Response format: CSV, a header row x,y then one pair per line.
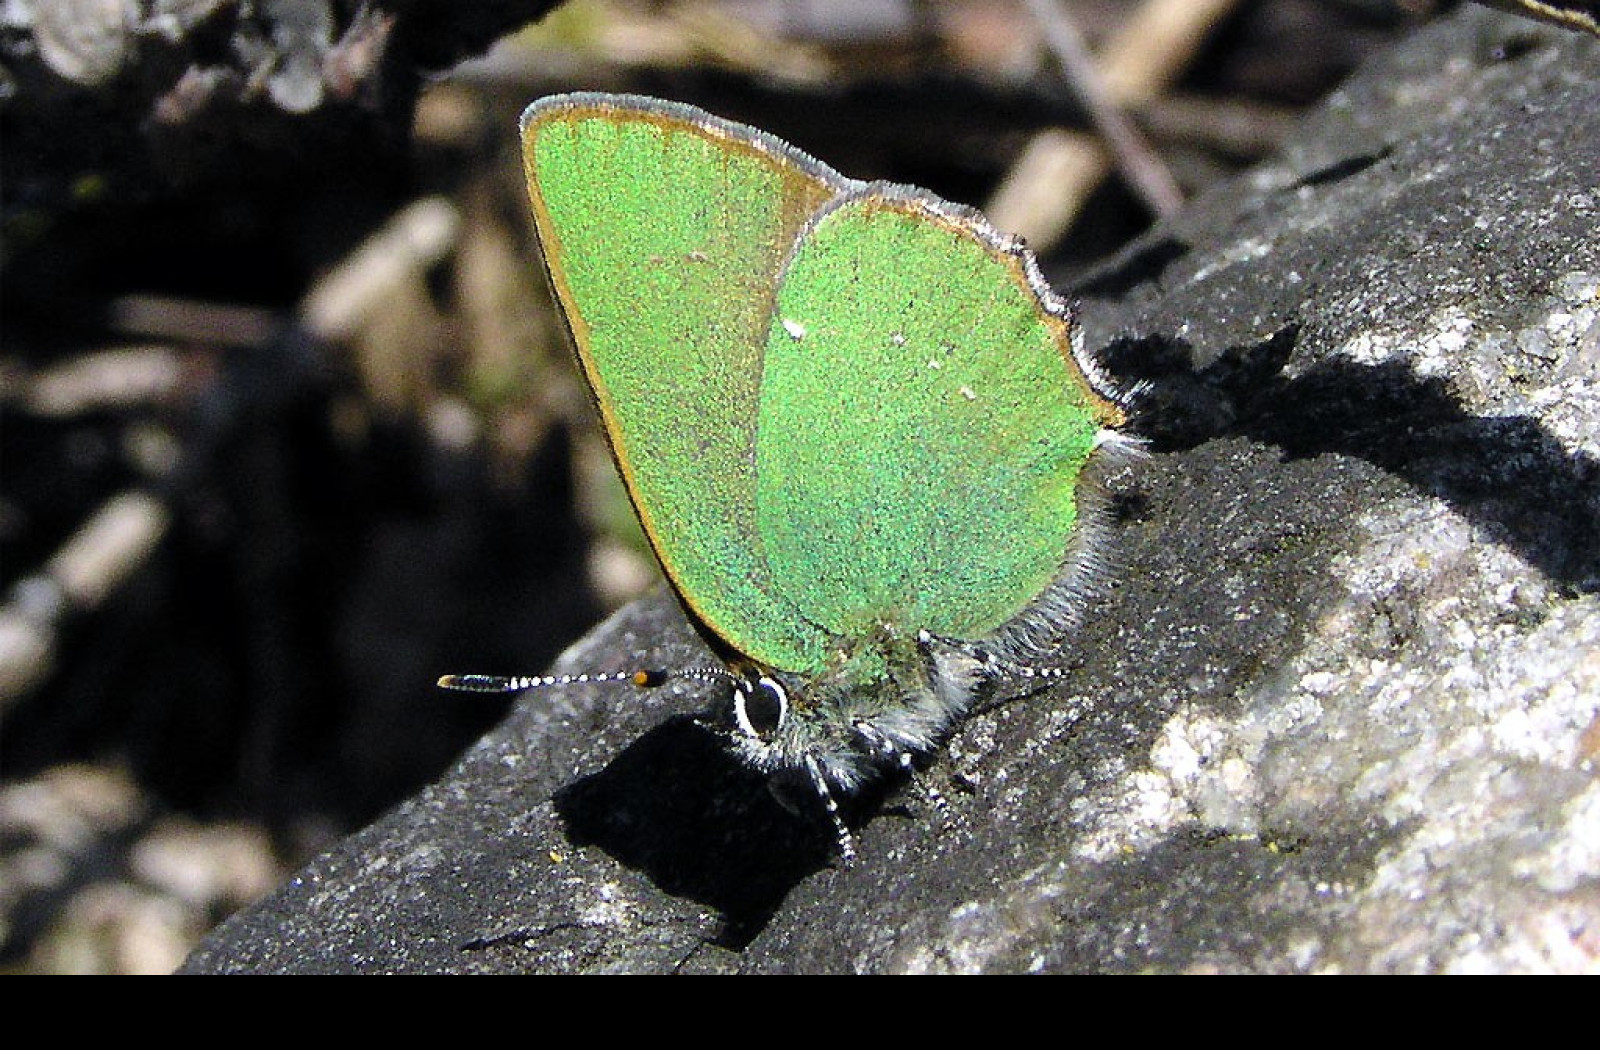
x,y
990,663
493,683
1016,670
1001,667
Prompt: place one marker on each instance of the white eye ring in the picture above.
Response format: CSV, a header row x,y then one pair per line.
x,y
741,712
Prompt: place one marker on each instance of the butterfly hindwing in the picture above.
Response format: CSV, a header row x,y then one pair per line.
x,y
923,422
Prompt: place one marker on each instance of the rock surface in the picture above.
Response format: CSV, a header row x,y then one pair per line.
x,y
1338,713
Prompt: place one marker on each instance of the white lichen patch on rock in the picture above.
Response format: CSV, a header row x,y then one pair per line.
x,y
1443,699
1550,356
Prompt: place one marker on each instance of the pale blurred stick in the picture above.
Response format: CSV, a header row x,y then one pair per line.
x,y
1144,169
1055,174
1583,15
93,563
376,305
119,537
364,283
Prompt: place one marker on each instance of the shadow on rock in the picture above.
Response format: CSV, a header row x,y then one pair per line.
x,y
676,807
1507,474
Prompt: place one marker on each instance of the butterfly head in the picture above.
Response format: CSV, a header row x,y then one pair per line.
x,y
874,708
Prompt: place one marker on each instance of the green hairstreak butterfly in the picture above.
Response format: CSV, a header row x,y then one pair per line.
x,y
849,414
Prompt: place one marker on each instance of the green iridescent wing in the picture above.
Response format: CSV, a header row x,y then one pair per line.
x,y
664,231
923,422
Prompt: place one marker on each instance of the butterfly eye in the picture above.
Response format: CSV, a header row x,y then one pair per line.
x,y
760,707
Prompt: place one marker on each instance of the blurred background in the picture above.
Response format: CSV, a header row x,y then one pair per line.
x,y
290,427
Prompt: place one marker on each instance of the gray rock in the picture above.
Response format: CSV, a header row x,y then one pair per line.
x,y
1337,713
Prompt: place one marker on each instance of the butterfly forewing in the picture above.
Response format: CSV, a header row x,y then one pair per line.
x,y
663,232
